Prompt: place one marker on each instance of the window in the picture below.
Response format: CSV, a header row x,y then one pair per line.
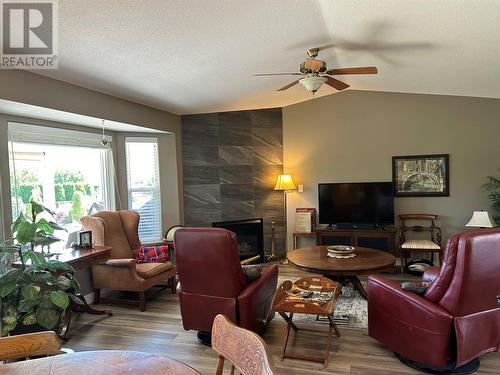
x,y
70,172
143,185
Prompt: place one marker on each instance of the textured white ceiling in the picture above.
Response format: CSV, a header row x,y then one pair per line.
x,y
192,56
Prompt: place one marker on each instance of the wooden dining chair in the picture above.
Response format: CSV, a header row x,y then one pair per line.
x,y
29,345
243,348
431,245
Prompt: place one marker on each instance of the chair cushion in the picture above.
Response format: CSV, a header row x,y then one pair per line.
x,y
148,270
152,254
420,244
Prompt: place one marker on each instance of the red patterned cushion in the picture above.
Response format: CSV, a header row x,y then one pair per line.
x,y
152,254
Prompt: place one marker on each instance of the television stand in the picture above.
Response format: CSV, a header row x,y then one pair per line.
x,y
380,238
353,226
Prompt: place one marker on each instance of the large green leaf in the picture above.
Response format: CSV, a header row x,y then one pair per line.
x,y
74,282
46,278
37,259
60,299
11,275
25,232
28,305
7,288
39,208
47,317
56,265
56,226
45,239
30,291
10,249
67,283
44,225
21,218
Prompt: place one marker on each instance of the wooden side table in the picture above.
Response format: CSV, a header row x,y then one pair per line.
x,y
285,302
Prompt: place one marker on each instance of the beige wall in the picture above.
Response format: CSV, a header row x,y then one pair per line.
x,y
351,137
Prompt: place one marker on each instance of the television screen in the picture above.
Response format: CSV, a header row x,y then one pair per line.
x,y
356,203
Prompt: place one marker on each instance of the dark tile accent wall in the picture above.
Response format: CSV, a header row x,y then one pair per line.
x,y
230,162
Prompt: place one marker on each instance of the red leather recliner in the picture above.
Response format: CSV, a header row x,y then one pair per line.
x,y
212,282
458,317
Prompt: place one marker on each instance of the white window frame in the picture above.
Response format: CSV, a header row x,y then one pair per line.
x,y
45,135
157,190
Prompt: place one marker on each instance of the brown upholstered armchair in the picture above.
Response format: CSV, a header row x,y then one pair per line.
x,y
456,320
211,282
119,230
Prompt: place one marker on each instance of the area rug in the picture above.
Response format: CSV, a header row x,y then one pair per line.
x,y
351,311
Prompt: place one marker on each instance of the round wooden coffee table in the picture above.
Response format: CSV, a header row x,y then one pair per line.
x,y
367,261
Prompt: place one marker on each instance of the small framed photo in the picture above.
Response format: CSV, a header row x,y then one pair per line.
x,y
421,175
85,239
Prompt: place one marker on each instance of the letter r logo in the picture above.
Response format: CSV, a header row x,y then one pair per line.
x,y
27,28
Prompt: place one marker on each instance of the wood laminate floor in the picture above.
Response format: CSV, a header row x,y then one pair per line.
x,y
159,330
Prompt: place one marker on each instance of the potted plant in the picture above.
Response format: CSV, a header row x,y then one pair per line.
x,y
35,293
493,189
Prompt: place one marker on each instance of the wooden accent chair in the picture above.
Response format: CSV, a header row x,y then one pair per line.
x,y
30,345
243,348
431,245
119,229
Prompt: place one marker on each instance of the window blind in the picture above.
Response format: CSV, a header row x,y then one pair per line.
x,y
55,136
143,185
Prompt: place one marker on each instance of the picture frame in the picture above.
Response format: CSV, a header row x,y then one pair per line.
x,y
305,220
421,175
85,239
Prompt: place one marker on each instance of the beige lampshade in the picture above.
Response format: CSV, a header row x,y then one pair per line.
x,y
284,182
480,219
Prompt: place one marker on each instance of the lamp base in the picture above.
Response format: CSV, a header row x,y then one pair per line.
x,y
272,258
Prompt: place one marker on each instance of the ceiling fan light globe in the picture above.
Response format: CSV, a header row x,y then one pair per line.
x,y
312,83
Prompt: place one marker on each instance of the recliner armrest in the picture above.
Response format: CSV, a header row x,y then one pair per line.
x,y
121,263
254,286
430,274
408,306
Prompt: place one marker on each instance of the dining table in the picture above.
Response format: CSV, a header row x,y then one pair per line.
x,y
100,362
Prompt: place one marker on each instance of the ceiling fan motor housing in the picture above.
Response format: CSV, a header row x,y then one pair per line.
x,y
313,66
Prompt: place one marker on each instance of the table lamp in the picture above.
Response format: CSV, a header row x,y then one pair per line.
x,y
480,219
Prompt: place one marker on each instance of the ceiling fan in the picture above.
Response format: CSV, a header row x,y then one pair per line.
x,y
315,73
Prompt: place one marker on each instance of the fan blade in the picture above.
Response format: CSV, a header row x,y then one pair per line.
x,y
288,86
335,83
277,74
360,70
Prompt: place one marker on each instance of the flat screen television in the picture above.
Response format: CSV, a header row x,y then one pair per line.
x,y
359,204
